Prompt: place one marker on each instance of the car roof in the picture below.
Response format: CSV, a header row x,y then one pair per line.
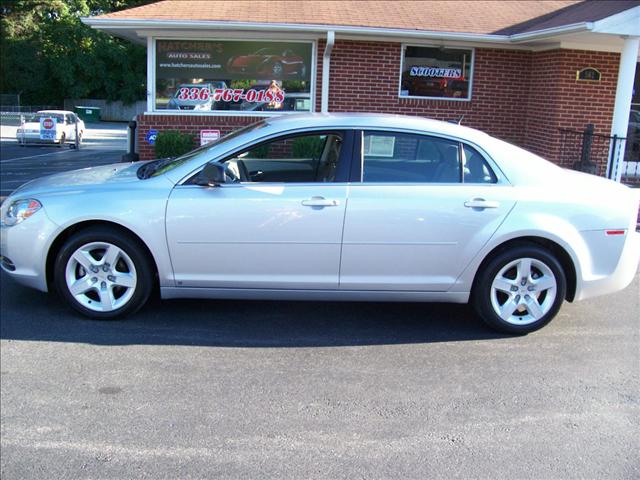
x,y
59,112
377,120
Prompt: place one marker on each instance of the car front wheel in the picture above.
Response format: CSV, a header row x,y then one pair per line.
x,y
103,274
520,290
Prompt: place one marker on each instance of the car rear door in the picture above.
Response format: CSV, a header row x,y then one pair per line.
x,y
279,226
421,208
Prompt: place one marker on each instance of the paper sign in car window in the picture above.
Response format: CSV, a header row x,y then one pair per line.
x,y
379,145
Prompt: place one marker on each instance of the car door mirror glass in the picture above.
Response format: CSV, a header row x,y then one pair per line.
x,y
212,175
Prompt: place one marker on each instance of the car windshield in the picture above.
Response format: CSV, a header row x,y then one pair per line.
x,y
163,165
36,118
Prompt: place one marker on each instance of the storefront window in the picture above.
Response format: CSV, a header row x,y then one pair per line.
x,y
436,72
242,76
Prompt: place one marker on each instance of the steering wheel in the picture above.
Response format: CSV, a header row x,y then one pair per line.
x,y
244,172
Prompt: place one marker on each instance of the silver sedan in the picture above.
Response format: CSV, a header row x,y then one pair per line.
x,y
329,207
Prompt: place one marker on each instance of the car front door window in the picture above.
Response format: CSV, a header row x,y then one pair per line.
x,y
309,158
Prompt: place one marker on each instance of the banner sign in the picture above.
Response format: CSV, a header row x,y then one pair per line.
x,y
48,128
250,76
233,59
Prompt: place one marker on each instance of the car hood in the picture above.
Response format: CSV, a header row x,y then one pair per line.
x,y
117,173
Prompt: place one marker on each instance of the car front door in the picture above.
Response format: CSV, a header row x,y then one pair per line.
x,y
423,209
276,224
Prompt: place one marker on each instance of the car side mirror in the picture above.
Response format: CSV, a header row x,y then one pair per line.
x,y
212,175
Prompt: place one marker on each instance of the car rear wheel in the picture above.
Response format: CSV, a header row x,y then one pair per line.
x,y
103,274
520,290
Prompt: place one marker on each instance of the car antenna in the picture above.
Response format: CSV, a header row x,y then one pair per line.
x,y
458,121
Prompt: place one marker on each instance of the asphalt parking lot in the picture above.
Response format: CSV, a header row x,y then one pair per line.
x,y
230,389
103,143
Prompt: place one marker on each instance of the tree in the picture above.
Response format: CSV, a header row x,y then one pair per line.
x,y
47,53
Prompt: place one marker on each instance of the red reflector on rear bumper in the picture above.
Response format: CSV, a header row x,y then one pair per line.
x,y
614,232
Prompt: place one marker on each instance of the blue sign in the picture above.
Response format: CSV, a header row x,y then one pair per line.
x,y
151,137
48,128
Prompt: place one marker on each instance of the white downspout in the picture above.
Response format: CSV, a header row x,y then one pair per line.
x,y
624,92
326,63
151,74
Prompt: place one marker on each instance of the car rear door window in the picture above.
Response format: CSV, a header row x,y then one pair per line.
x,y
390,157
476,169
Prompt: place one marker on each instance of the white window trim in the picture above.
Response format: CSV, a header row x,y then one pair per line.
x,y
452,99
151,79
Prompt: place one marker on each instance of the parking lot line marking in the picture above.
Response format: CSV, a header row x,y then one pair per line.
x,y
32,156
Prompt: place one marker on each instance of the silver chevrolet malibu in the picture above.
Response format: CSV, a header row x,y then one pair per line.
x,y
329,207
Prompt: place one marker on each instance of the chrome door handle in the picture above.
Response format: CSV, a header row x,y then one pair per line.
x,y
320,202
481,203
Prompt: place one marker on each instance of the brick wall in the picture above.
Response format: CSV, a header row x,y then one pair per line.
x,y
365,77
556,100
186,124
520,96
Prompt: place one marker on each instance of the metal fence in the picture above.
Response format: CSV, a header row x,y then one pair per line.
x,y
27,108
598,154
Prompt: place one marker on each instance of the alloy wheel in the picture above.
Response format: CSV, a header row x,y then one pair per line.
x,y
101,276
523,291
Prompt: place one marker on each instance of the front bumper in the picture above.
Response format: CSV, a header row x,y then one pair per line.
x,y
24,247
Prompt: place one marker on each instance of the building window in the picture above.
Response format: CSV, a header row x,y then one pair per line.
x,y
233,76
436,72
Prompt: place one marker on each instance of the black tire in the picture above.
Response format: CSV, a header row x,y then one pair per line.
x,y
483,301
136,254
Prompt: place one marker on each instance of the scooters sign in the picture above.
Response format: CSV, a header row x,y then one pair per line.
x,y
48,128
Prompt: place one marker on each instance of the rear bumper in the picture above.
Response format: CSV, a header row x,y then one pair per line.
x,y
35,138
621,277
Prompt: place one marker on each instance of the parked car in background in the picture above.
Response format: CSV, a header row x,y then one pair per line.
x,y
63,128
329,207
269,62
196,96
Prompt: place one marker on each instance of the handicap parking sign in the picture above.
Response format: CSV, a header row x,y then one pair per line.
x,y
151,137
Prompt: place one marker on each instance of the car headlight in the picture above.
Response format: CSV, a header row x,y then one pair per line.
x,y
19,210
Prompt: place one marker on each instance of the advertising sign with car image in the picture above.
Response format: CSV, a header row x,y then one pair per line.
x,y
233,75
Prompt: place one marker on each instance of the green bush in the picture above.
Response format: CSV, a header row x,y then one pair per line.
x,y
308,147
260,152
171,143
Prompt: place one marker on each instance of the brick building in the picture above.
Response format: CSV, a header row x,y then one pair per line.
x,y
519,70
